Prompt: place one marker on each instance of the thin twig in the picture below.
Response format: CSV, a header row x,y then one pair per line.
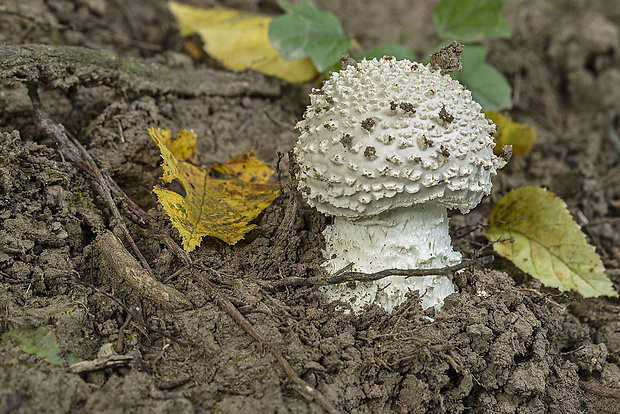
x,y
242,128
464,231
542,296
600,390
491,243
234,313
120,341
75,152
371,277
279,172
143,217
135,315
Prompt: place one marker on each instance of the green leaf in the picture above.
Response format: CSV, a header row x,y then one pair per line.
x,y
470,20
487,85
306,31
38,341
548,244
398,51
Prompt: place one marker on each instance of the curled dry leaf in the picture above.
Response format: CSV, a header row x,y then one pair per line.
x,y
240,40
212,207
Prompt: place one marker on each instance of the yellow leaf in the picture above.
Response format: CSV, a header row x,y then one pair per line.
x,y
522,137
211,207
245,167
548,244
240,40
182,146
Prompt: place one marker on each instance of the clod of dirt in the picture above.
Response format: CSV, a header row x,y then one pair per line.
x,y
448,58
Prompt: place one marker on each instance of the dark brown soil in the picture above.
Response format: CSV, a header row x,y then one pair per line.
x,y
502,344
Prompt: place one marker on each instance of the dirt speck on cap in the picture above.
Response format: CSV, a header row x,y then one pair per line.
x,y
448,58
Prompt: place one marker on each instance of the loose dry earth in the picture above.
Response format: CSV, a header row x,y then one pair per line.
x,y
503,343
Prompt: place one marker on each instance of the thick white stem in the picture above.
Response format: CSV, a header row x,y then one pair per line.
x,y
404,238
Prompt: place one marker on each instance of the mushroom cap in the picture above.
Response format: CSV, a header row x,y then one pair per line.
x,y
384,133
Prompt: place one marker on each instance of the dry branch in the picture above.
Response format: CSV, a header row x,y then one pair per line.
x,y
100,363
226,305
344,276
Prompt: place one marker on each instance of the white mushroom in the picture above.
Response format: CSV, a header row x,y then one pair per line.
x,y
413,144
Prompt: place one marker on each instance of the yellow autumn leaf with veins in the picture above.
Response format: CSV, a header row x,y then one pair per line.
x,y
240,40
548,244
522,137
211,207
182,145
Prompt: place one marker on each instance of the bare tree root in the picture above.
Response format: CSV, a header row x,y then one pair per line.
x,y
65,67
126,268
